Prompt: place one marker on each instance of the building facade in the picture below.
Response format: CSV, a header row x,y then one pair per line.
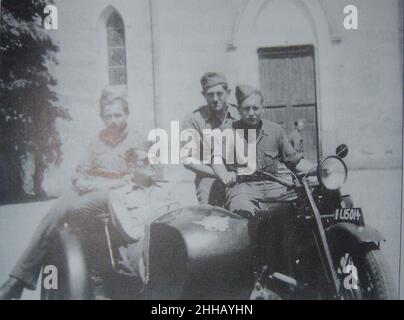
x,y
346,84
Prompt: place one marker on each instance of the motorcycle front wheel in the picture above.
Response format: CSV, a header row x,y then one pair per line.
x,y
364,275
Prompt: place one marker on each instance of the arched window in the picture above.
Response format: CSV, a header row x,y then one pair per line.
x,y
116,50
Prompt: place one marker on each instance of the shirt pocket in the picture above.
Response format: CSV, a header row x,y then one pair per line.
x,y
270,161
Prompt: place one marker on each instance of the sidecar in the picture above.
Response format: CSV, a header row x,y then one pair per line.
x,y
193,252
199,252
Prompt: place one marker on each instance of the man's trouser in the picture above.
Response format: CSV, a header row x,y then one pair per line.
x,y
246,198
29,265
210,191
266,220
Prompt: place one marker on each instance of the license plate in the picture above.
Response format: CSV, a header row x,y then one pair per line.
x,y
351,215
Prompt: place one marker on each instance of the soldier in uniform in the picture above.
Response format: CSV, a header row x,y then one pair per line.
x,y
116,158
216,114
274,154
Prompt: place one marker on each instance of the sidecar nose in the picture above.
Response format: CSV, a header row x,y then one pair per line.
x,y
199,252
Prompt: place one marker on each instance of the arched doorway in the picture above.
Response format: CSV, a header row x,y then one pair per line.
x,y
281,46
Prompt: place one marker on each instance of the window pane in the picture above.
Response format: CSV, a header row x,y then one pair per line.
x,y
117,75
116,57
115,21
116,38
116,50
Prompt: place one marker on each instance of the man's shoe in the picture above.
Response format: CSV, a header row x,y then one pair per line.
x,y
11,289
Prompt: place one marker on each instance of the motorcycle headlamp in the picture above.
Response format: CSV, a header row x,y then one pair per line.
x,y
332,173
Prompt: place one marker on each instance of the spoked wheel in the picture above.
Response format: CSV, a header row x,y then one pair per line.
x,y
364,275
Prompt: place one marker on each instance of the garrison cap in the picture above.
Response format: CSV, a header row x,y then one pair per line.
x,y
112,93
210,79
243,91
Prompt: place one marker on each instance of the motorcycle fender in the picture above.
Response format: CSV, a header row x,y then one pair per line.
x,y
359,235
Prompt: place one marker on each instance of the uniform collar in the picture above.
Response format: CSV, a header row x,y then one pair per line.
x,y
262,129
241,125
232,113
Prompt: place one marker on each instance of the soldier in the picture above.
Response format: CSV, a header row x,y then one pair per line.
x,y
217,114
117,157
274,155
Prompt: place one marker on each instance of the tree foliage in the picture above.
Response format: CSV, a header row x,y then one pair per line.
x,y
28,105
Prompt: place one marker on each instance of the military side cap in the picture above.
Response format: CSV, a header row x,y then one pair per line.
x,y
210,79
243,91
111,93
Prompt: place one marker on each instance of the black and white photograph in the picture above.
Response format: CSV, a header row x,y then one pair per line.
x,y
201,150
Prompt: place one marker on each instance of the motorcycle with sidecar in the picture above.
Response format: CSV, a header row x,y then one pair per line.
x,y
316,246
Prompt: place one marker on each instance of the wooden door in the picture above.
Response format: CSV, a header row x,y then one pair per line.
x,y
288,84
